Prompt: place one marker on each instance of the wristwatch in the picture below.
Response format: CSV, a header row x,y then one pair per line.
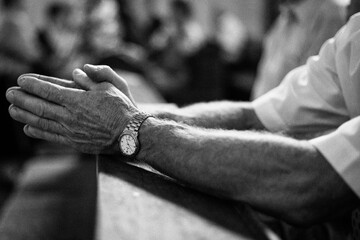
x,y
128,140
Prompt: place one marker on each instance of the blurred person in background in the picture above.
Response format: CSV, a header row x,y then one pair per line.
x,y
107,39
171,45
18,48
231,34
240,55
299,32
187,35
59,39
129,20
104,30
154,25
18,55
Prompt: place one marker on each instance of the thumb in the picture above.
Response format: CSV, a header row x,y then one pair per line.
x,y
103,73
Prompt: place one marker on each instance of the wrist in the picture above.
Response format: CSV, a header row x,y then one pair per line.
x,y
128,141
147,138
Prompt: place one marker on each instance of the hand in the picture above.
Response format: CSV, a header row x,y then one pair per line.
x,y
84,79
90,121
101,73
54,80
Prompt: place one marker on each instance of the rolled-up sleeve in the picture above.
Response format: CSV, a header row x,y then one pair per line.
x,y
320,96
342,150
308,100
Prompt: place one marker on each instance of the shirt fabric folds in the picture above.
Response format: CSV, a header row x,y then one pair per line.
x,y
323,96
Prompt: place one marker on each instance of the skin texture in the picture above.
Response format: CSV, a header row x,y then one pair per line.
x,y
65,115
204,146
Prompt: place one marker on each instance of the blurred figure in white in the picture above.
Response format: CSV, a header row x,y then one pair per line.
x,y
106,30
230,33
299,32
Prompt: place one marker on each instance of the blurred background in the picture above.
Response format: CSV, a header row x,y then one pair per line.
x,y
147,37
170,51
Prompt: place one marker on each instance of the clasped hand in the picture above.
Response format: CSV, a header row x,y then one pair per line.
x,y
84,114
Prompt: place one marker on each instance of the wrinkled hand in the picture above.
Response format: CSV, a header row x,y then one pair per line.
x,y
90,121
101,73
90,75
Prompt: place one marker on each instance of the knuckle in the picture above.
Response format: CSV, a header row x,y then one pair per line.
x,y
46,91
60,95
106,68
108,85
58,139
56,94
40,109
53,93
123,81
42,124
57,128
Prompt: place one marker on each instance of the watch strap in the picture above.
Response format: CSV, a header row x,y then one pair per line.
x,y
136,122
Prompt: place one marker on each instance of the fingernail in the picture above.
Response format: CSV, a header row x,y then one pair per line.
x,y
10,95
26,130
26,77
34,75
21,79
12,109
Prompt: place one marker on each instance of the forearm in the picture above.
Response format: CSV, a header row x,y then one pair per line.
x,y
291,182
221,115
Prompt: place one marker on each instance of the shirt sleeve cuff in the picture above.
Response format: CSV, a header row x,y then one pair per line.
x,y
342,156
267,113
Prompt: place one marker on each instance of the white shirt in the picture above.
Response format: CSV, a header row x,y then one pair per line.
x,y
298,33
324,95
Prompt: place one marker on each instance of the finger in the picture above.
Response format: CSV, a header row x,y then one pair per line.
x,y
54,80
25,117
11,89
82,79
102,73
46,90
35,105
34,132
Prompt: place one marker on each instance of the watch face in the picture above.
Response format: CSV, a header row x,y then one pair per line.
x,y
128,145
